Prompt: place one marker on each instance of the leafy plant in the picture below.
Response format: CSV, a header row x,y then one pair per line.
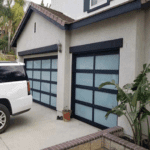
x,y
137,96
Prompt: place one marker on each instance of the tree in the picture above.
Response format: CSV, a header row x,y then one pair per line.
x,y
18,13
42,3
12,15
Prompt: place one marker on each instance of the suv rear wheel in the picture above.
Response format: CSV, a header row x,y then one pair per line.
x,y
4,118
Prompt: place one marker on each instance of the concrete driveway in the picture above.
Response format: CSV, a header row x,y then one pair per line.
x,y
38,129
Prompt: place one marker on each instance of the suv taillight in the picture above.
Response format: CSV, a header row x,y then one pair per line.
x,y
28,85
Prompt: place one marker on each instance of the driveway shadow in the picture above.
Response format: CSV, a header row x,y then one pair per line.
x,y
19,121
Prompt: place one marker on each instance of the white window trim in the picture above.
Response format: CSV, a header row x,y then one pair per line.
x,y
98,4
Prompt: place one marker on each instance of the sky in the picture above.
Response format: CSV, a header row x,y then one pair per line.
x,y
37,2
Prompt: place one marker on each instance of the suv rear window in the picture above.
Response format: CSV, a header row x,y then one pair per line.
x,y
12,73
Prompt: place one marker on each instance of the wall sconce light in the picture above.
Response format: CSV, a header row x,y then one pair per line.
x,y
59,47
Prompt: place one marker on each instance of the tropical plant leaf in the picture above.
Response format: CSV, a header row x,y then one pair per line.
x,y
133,115
105,83
144,66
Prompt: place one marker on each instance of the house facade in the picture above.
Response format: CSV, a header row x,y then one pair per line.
x,y
72,48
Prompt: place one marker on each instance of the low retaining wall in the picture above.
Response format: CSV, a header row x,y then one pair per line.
x,y
103,140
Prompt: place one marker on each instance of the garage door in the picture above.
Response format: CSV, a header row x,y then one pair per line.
x,y
42,74
90,104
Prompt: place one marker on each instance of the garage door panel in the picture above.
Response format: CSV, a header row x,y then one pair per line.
x,y
99,117
29,73
45,98
85,63
83,111
46,75
54,76
105,99
36,75
46,64
29,65
89,103
101,78
107,62
53,88
36,95
36,85
45,87
37,64
84,79
54,64
42,73
30,83
84,95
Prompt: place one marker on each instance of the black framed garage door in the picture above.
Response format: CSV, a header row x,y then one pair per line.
x,y
42,74
89,104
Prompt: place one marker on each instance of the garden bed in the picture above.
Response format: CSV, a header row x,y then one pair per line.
x,y
108,139
145,142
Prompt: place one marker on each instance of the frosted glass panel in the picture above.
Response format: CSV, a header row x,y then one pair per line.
x,y
36,85
29,65
30,83
99,117
29,74
36,96
105,99
36,74
84,95
54,76
46,75
101,78
107,62
45,87
84,79
37,64
46,64
53,101
54,88
85,62
54,63
83,111
45,98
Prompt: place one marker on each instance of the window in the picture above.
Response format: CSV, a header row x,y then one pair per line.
x,y
97,2
92,5
12,73
35,27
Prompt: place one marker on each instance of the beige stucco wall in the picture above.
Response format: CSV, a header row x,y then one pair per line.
x,y
48,34
129,27
75,8
132,27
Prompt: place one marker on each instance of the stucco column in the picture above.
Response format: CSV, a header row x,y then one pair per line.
x,y
64,75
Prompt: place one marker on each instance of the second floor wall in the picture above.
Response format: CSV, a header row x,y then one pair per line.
x,y
78,9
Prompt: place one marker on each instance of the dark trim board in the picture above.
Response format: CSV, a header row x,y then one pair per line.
x,y
100,46
49,19
41,50
135,5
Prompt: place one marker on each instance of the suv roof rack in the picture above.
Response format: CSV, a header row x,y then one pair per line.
x,y
8,62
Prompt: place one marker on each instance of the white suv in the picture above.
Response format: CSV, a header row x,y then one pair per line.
x,y
15,95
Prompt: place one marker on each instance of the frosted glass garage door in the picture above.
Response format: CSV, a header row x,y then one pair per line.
x,y
89,103
42,74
